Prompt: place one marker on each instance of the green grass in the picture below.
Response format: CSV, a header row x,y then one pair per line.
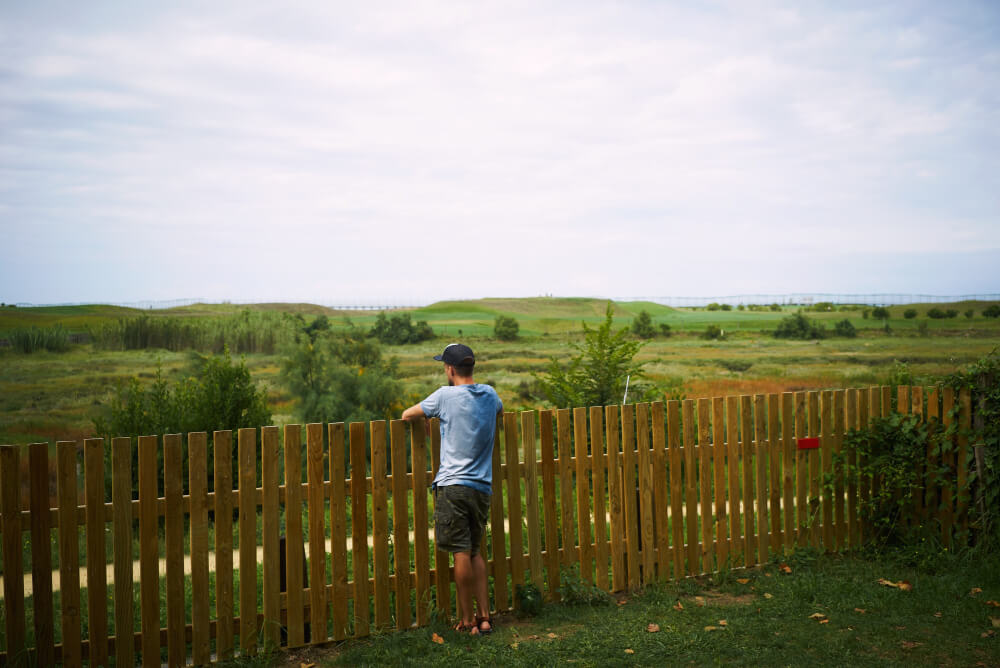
x,y
939,615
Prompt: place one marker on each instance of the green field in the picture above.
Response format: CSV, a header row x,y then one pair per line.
x,y
54,396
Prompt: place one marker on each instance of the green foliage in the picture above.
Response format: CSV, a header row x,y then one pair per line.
x,y
341,377
741,307
574,591
845,328
712,333
714,306
910,313
32,339
969,313
665,330
822,307
245,332
400,329
936,313
529,599
596,375
775,307
982,378
880,313
900,374
216,395
727,307
505,328
642,326
865,313
797,326
992,311
892,450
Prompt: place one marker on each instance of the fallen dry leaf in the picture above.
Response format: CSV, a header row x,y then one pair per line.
x,y
700,600
908,644
824,621
861,610
993,603
307,665
938,614
723,622
987,634
513,645
653,628
899,628
436,638
785,568
678,606
766,595
743,581
622,602
711,628
630,651
995,621
902,585
767,575
975,590
905,586
817,615
551,635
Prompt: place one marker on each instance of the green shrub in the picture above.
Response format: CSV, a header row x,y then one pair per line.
x,y
845,328
642,326
400,329
910,313
529,599
822,306
713,332
992,311
726,307
797,326
665,330
951,313
936,313
506,328
740,307
880,313
776,307
970,314
573,590
714,306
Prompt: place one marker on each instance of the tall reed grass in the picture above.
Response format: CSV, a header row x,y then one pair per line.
x,y
247,332
32,339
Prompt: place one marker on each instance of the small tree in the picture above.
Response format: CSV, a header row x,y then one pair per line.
x,y
797,326
665,330
505,328
992,311
845,328
880,313
936,313
642,326
910,313
596,375
712,333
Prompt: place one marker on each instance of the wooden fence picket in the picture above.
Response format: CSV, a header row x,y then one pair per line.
x,y
69,553
359,529
760,450
801,474
788,467
598,494
747,463
149,557
630,493
270,535
567,518
719,466
293,536
705,485
550,511
586,558
173,477
615,499
498,533
247,457
41,551
380,526
515,519
815,457
97,578
733,475
853,532
400,523
693,563
198,489
948,459
421,544
647,526
531,504
338,528
13,583
316,497
840,517
658,472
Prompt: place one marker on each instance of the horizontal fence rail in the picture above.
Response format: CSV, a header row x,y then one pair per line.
x,y
231,542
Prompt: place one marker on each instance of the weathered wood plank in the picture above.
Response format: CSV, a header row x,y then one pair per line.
x,y
359,528
69,554
647,529
223,459
499,535
566,502
690,489
719,469
661,531
788,467
585,547
270,535
294,546
747,462
599,491
400,523
13,587
630,486
615,500
380,525
198,488
173,490
338,529
531,505
514,514
41,552
761,456
97,578
421,555
733,471
550,511
705,485
247,457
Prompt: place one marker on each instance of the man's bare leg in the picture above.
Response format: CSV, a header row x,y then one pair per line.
x,y
465,584
482,592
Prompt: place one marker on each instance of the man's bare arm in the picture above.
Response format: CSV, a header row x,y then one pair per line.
x,y
413,412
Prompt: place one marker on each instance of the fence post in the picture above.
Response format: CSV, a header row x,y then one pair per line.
x,y
13,583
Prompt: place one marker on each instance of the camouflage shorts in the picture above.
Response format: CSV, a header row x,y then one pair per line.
x,y
460,514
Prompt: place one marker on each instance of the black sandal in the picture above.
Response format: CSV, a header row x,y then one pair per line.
x,y
479,625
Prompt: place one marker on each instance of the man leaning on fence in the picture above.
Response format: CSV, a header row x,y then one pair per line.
x,y
468,412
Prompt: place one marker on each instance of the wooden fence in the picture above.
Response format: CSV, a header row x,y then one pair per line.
x,y
625,494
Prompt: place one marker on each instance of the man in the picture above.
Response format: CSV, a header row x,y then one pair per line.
x,y
462,487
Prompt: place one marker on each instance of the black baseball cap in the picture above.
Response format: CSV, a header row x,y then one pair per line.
x,y
457,354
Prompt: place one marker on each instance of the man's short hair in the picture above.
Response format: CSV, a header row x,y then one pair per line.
x,y
464,370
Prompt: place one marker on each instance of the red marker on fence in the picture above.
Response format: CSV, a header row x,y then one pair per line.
x,y
810,443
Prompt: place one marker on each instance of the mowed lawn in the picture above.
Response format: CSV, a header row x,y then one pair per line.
x,y
822,610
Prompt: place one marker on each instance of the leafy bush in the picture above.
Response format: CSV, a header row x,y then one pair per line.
x,y
775,307
880,313
726,307
400,329
910,313
892,450
992,311
741,307
596,375
341,377
865,313
505,328
714,306
573,590
665,330
713,332
797,326
642,326
951,313
822,306
936,313
28,340
845,328
529,599
969,313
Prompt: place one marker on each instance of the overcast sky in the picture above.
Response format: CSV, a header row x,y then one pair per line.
x,y
414,151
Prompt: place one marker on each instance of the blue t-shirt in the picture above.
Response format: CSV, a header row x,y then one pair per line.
x,y
468,424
